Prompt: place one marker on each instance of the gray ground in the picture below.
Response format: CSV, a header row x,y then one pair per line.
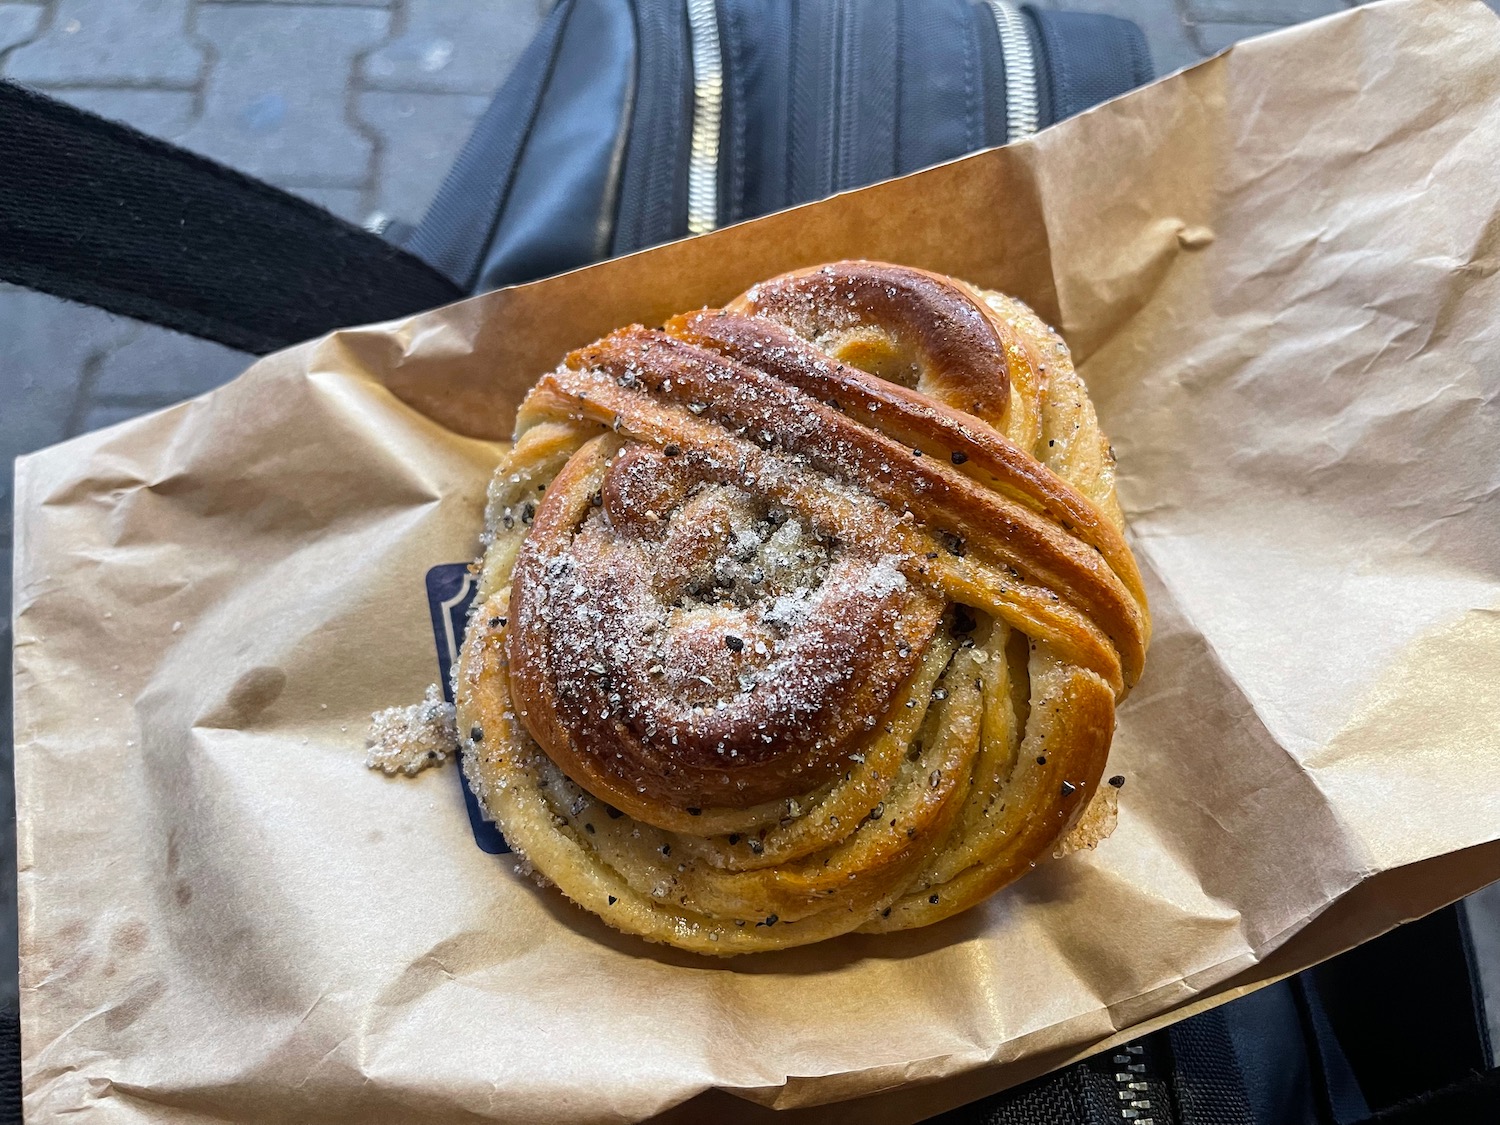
x,y
358,105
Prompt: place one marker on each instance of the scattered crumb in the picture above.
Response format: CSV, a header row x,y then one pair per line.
x,y
177,626
525,869
1095,825
409,739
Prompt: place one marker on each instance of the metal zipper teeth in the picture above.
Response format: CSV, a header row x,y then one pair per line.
x,y
1135,1106
708,114
1021,108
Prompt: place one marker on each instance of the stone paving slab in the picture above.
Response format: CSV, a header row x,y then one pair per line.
x,y
18,23
1215,37
62,359
1172,48
162,113
154,367
453,46
347,203
51,349
94,43
419,135
1279,12
273,105
314,3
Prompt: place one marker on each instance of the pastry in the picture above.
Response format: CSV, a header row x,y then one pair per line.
x,y
802,616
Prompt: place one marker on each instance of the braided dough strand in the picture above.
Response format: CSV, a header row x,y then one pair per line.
x,y
801,616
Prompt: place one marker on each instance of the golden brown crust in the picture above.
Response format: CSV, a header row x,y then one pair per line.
x,y
642,702
791,623
908,325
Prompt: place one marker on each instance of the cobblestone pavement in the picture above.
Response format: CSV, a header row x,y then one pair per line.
x,y
358,105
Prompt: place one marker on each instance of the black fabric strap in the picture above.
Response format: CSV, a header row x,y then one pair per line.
x,y
99,213
10,1068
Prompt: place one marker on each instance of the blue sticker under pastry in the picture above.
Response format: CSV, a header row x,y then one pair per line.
x,y
450,592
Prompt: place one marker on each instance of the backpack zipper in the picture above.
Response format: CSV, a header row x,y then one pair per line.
x,y
1131,1087
1021,110
708,115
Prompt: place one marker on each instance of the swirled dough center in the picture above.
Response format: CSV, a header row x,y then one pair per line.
x,y
713,647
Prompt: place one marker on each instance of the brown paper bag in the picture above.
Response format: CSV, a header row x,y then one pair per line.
x,y
1278,274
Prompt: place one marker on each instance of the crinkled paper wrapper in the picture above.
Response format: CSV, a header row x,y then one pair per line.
x,y
1277,272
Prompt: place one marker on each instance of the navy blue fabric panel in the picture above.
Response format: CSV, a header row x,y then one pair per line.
x,y
757,45
652,205
991,73
1343,1098
1087,59
1401,1009
814,91
940,111
560,209
1269,1047
1206,1077
866,107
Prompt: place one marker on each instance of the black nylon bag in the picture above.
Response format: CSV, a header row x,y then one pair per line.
x,y
629,124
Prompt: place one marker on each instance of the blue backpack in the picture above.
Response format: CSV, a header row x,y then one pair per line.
x,y
626,125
